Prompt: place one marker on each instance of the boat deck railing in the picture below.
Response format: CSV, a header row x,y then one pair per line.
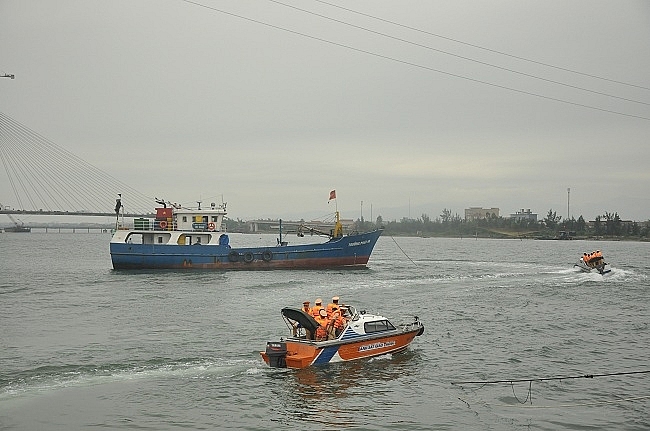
x,y
412,326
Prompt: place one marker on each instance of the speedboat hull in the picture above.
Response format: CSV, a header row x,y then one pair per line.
x,y
301,354
599,267
364,336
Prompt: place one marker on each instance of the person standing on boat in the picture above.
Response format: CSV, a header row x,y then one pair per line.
x,y
318,306
322,331
345,312
338,322
307,310
332,305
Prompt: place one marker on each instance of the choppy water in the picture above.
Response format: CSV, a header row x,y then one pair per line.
x,y
85,347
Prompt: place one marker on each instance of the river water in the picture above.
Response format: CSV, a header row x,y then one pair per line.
x,y
86,347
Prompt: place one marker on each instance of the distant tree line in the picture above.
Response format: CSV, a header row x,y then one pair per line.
x,y
552,226
448,224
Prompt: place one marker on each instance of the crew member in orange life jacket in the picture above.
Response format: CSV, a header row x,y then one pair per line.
x,y
338,322
323,326
307,310
332,305
318,306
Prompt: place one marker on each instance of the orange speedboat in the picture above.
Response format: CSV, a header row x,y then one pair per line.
x,y
591,261
364,336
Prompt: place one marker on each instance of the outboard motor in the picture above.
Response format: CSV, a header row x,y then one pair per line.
x,y
277,353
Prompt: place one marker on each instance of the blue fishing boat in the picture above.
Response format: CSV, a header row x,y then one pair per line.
x,y
194,238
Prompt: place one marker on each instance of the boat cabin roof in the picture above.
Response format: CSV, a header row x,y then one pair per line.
x,y
366,323
297,315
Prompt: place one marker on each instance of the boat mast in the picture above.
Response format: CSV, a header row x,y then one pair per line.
x,y
338,227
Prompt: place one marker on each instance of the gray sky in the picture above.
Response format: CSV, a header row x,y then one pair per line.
x,y
273,107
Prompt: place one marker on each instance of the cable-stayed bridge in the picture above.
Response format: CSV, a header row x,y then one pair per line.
x,y
46,179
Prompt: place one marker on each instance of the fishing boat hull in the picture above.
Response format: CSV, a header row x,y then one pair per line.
x,y
173,252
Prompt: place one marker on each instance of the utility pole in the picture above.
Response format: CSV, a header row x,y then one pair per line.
x,y
568,201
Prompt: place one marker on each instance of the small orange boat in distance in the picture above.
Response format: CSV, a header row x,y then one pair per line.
x,y
591,261
364,336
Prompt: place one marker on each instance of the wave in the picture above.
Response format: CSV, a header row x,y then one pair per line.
x,y
52,378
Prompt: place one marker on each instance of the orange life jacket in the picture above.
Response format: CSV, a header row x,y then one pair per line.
x,y
321,331
330,308
315,311
339,321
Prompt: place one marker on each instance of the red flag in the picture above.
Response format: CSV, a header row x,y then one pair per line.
x,y
332,195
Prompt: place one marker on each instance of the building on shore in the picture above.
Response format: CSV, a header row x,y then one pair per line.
x,y
475,213
524,215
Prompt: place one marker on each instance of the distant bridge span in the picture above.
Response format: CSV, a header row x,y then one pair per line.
x,y
74,213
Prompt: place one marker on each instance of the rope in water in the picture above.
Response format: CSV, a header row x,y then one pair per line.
x,y
543,379
529,396
407,256
592,403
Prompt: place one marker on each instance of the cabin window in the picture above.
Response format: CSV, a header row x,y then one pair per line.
x,y
215,218
135,238
160,240
379,326
184,219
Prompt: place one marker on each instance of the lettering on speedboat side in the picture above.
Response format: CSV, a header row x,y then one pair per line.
x,y
356,243
378,345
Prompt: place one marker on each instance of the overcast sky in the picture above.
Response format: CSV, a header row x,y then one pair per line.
x,y
408,106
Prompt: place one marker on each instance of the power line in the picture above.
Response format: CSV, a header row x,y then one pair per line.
x,y
385,57
484,48
529,75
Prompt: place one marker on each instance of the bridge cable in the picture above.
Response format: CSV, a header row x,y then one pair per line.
x,y
48,175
